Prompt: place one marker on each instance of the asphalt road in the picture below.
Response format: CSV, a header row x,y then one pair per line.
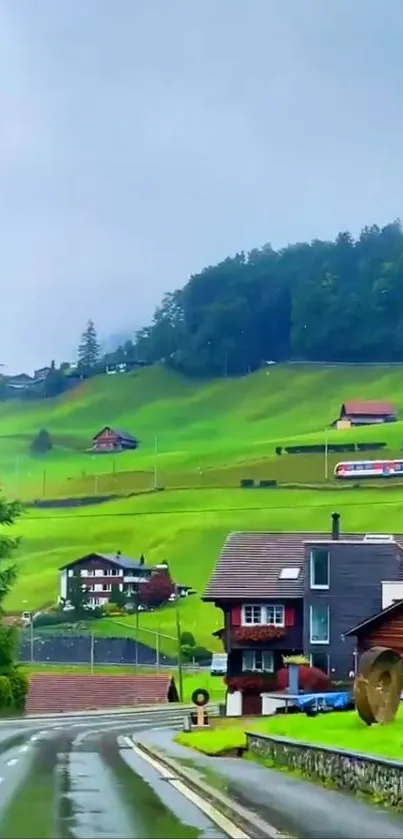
x,y
78,777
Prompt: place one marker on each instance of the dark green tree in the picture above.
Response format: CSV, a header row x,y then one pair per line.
x,y
55,382
89,349
42,443
9,513
78,597
118,598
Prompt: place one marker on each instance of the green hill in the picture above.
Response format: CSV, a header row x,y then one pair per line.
x,y
208,435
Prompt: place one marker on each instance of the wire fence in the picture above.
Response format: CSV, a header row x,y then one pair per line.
x,y
93,651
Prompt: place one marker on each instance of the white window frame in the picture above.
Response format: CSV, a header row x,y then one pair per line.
x,y
277,618
313,585
267,657
311,641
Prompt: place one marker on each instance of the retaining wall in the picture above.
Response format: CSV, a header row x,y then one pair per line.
x,y
356,772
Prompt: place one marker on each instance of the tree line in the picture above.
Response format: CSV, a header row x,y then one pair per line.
x,y
337,301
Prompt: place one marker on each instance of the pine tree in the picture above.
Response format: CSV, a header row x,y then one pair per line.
x,y
89,348
9,512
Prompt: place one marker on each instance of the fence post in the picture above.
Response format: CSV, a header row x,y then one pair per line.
x,y
92,653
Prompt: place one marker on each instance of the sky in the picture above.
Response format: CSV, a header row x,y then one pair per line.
x,y
141,140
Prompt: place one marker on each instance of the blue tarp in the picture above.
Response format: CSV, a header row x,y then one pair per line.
x,y
321,700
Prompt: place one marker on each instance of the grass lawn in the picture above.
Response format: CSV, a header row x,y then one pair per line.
x,y
210,434
341,730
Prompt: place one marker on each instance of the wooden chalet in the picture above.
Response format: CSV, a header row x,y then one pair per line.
x,y
112,440
384,629
363,412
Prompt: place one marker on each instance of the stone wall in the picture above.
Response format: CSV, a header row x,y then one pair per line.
x,y
358,773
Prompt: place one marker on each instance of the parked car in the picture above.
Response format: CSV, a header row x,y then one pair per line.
x,y
219,664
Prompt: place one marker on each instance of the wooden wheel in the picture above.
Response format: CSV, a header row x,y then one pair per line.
x,y
378,685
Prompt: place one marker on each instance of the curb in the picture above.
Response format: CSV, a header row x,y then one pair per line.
x,y
247,820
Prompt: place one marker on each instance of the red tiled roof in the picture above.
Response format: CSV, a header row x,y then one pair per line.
x,y
49,693
368,408
250,564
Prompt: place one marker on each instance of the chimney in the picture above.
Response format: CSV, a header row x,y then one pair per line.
x,y
335,526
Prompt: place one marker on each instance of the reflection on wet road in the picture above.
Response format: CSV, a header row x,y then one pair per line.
x,y
86,783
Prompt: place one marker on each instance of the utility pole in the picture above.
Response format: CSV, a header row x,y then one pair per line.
x,y
44,483
137,634
92,651
178,633
326,454
32,639
155,462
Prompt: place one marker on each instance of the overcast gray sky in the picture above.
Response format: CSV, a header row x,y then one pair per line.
x,y
143,139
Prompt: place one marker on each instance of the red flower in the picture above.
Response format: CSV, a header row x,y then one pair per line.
x,y
259,633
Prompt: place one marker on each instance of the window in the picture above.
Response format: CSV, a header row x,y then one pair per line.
x,y
290,573
275,615
260,660
321,661
319,623
106,587
320,568
253,615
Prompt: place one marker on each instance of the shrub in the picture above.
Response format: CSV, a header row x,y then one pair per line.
x,y
311,679
200,655
42,443
279,450
51,618
19,684
111,609
5,692
187,639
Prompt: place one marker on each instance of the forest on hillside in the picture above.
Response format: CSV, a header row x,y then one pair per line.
x,y
338,301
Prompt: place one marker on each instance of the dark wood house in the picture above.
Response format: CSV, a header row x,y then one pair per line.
x,y
113,440
384,629
293,593
363,412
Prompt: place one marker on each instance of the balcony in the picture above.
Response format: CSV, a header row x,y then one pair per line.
x,y
132,578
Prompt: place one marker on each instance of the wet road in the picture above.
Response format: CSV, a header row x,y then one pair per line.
x,y
79,779
294,806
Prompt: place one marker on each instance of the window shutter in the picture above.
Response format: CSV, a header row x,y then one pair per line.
x,y
248,660
236,616
289,617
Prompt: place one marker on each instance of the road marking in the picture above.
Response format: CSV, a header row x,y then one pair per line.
x,y
1,780
211,812
12,762
24,748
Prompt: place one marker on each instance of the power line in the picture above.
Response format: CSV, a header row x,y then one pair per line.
x,y
199,510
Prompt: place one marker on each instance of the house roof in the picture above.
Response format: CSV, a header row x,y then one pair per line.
x,y
117,560
250,564
124,435
49,693
384,614
359,407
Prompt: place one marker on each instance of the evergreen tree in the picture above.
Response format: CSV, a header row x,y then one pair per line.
x,y
89,348
42,443
9,512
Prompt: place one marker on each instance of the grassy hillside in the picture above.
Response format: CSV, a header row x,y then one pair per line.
x,y
209,435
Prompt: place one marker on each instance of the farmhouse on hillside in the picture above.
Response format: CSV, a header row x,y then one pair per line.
x,y
287,594
112,440
363,412
103,573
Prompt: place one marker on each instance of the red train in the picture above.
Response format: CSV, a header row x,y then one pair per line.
x,y
369,469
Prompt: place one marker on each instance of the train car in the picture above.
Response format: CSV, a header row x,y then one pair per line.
x,y
369,469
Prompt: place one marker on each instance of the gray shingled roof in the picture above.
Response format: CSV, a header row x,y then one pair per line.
x,y
118,561
250,564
